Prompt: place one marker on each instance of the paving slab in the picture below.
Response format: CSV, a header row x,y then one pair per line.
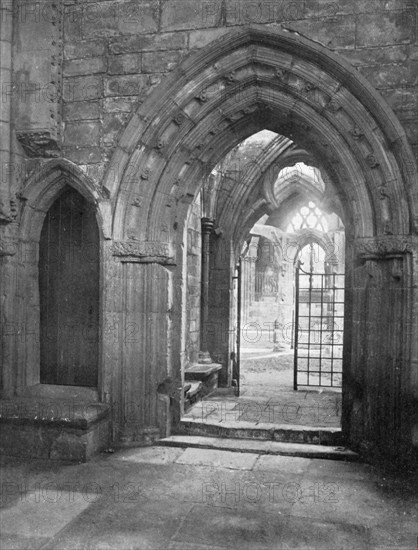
x,y
260,447
343,470
232,528
42,512
293,465
147,499
218,459
150,455
306,534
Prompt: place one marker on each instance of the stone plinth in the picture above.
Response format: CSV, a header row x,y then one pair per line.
x,y
54,429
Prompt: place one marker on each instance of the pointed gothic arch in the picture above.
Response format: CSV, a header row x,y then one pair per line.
x,y
41,193
255,78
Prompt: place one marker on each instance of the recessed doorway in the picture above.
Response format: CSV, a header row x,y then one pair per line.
x,y
69,292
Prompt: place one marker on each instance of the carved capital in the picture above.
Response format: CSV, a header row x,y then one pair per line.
x,y
7,248
388,245
207,225
143,252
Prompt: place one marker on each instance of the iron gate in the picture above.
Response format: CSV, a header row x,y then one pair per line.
x,y
319,328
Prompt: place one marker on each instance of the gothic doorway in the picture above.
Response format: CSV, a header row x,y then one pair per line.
x,y
69,292
248,80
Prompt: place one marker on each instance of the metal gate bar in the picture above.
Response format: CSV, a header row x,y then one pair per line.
x,y
319,327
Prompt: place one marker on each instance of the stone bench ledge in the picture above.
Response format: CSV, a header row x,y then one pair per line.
x,y
43,411
199,371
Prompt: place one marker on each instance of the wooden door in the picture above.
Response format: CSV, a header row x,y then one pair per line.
x,y
69,292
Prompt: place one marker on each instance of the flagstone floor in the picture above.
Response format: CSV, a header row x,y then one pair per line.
x,y
267,396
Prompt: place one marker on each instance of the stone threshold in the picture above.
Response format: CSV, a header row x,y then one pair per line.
x,y
261,447
290,433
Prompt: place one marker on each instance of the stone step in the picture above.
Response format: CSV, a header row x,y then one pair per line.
x,y
289,433
261,447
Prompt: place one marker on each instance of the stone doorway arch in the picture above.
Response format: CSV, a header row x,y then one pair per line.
x,y
41,190
250,79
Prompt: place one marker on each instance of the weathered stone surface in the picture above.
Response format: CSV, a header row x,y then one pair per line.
x,y
396,27
199,39
83,155
112,126
377,56
391,76
141,249
338,33
133,85
77,67
111,18
81,110
84,48
403,99
82,133
124,64
119,104
145,43
82,88
188,14
159,62
325,9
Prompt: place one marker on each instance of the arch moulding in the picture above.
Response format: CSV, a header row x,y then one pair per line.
x,y
250,79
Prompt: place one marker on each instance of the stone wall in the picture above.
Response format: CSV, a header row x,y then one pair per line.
x,y
116,52
81,68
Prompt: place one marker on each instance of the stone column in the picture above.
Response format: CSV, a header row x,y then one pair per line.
x,y
6,29
207,228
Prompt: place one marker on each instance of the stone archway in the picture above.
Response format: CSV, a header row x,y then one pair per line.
x,y
251,79
40,192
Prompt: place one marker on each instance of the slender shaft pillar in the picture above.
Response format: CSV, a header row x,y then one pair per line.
x,y
207,227
6,29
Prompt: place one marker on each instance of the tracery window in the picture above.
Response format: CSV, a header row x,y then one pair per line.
x,y
308,217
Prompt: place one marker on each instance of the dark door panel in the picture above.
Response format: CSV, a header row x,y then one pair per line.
x,y
69,292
